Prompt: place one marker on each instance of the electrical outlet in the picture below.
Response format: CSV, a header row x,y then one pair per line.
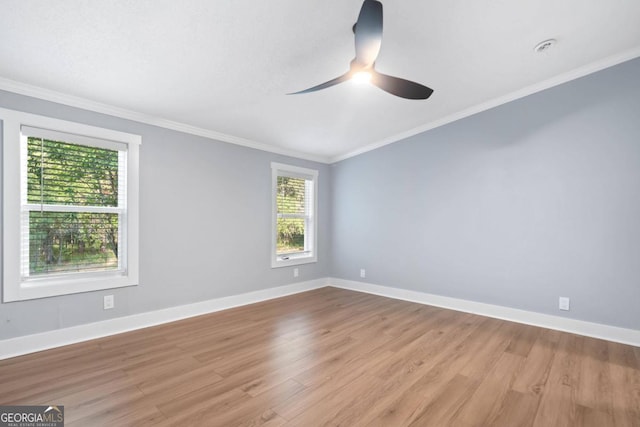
x,y
296,273
362,273
109,302
563,303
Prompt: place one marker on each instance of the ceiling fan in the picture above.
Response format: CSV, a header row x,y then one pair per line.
x,y
368,38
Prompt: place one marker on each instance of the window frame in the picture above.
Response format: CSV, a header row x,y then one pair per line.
x,y
18,288
310,254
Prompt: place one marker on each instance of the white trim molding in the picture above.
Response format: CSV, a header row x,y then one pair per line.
x,y
310,216
13,347
574,326
17,282
496,102
91,105
123,113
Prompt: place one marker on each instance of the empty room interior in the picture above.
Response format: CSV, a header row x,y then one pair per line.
x,y
344,213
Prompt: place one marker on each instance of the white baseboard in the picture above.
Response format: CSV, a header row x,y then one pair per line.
x,y
46,340
42,341
580,327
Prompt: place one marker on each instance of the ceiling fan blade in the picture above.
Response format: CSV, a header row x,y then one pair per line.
x,y
400,87
333,82
368,32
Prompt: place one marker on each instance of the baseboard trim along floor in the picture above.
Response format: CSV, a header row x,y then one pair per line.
x,y
564,324
42,341
56,338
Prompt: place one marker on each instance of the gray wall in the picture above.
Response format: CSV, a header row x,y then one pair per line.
x,y
205,226
515,206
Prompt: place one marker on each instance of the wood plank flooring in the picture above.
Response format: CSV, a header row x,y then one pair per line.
x,y
337,358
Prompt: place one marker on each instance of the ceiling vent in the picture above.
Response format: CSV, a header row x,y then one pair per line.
x,y
545,45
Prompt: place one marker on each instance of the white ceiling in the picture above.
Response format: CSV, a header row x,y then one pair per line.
x,y
222,68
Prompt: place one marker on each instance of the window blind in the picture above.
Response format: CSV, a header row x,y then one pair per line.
x,y
294,207
73,203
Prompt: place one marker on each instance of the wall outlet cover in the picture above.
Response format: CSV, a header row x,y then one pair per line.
x,y
109,302
563,303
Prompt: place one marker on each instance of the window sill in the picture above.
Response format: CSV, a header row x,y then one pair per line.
x,y
49,287
293,260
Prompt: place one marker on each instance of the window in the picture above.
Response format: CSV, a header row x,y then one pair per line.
x,y
294,198
70,207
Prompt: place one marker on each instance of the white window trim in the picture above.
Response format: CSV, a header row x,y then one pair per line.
x,y
13,286
311,253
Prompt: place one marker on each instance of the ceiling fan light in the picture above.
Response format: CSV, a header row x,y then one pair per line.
x,y
362,77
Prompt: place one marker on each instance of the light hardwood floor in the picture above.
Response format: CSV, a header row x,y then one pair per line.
x,y
334,357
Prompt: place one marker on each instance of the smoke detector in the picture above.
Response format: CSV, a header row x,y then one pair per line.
x,y
545,45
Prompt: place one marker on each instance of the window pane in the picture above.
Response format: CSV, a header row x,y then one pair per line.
x,y
70,174
290,235
291,199
61,242
291,195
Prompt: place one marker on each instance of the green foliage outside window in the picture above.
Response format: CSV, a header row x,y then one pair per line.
x,y
291,200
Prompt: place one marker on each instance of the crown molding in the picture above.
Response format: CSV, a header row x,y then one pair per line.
x,y
528,90
98,107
